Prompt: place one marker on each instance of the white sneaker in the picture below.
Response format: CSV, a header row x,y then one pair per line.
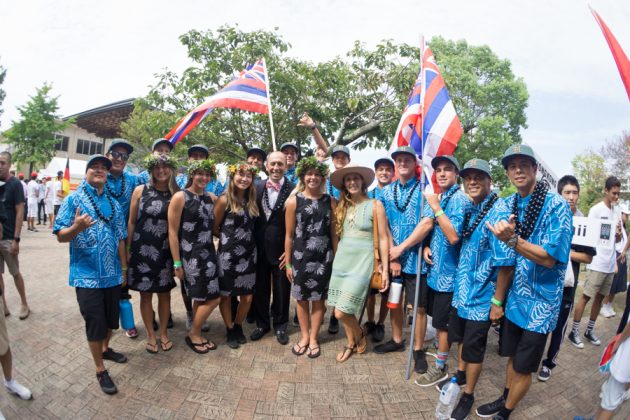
x,y
626,395
20,390
606,311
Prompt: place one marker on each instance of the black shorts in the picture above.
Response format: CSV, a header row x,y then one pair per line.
x,y
525,347
439,307
473,335
99,308
56,209
409,281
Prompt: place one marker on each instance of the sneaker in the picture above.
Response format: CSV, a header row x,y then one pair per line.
x,y
461,381
238,333
231,339
389,347
107,385
378,333
432,376
132,333
491,409
420,361
463,407
18,389
575,340
592,338
368,327
110,354
607,311
544,374
189,317
206,326
333,326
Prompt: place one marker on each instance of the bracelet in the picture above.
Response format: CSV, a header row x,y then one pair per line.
x,y
289,266
496,301
177,264
439,213
124,268
313,127
128,248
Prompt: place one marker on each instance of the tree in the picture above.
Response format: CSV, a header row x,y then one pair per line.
x,y
355,99
33,136
616,153
3,73
590,171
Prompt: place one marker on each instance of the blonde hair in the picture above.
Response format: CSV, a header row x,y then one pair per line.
x,y
233,202
172,185
344,204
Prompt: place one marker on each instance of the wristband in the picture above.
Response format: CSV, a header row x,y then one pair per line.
x,y
128,247
289,266
496,301
124,268
439,213
313,127
177,264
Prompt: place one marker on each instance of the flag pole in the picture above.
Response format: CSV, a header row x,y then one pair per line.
x,y
422,181
273,136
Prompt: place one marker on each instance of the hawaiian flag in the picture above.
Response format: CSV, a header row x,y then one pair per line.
x,y
249,92
623,65
429,122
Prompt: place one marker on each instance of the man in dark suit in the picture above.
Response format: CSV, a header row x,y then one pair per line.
x,y
271,195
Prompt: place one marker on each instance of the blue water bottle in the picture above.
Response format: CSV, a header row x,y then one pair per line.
x,y
126,314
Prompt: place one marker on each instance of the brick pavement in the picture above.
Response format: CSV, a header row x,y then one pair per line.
x,y
260,380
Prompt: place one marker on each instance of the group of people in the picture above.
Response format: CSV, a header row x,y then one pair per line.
x,y
297,231
43,197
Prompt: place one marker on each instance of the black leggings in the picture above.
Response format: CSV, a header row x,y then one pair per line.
x,y
626,312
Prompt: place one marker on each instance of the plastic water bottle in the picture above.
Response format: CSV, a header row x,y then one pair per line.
x,y
126,314
395,290
447,400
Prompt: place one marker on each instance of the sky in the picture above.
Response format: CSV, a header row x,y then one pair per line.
x,y
98,53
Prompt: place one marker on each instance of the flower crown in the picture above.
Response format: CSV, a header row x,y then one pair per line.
x,y
311,162
153,160
204,165
242,166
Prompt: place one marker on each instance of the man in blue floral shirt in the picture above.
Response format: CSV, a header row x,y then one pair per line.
x,y
540,229
485,265
94,225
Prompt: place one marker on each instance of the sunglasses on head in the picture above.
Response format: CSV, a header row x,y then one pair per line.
x,y
119,155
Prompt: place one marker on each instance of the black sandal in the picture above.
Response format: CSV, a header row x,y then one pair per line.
x,y
314,353
151,348
166,345
301,349
197,347
347,350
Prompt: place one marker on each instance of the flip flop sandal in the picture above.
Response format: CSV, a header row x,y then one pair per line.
x,y
300,351
210,345
361,346
197,347
314,353
346,353
151,348
166,345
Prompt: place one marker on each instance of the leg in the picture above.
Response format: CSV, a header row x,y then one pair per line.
x,y
596,306
519,385
350,325
302,307
579,308
4,302
622,323
202,311
318,308
225,306
164,311
96,348
281,299
262,296
557,337
146,312
7,364
421,328
19,285
396,318
384,310
371,301
473,371
243,308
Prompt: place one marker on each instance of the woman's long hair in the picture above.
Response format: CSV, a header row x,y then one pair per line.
x,y
344,204
233,203
172,185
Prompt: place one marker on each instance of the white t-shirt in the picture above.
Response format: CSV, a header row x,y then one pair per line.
x,y
33,190
620,364
49,192
56,187
605,260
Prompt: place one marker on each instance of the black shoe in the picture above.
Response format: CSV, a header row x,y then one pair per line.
x,y
420,361
368,327
379,333
461,381
282,337
333,326
231,339
250,318
238,332
258,333
296,321
491,409
463,407
389,347
169,324
110,354
107,385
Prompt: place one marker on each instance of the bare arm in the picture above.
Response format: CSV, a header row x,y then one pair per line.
x,y
504,280
133,213
175,209
333,225
81,222
219,214
19,218
122,255
383,242
289,219
307,122
581,257
433,200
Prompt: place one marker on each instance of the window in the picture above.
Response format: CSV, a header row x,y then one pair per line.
x,y
62,142
87,147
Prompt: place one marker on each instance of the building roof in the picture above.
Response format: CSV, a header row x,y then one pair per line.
x,y
105,120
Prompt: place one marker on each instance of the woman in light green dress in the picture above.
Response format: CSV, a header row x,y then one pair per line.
x,y
354,260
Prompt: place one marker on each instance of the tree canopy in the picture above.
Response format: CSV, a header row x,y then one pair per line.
x,y
590,171
355,99
33,136
3,73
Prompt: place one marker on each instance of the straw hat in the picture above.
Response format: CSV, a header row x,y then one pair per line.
x,y
352,168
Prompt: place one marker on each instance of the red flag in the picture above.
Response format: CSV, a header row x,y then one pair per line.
x,y
620,57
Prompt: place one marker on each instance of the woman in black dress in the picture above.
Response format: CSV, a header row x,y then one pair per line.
x,y
309,247
150,262
190,220
234,216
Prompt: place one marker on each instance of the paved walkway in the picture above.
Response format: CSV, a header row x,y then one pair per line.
x,y
260,380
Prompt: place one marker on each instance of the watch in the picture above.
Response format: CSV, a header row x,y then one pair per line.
x,y
17,239
511,243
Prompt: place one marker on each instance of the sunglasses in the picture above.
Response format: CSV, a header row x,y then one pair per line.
x,y
119,155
